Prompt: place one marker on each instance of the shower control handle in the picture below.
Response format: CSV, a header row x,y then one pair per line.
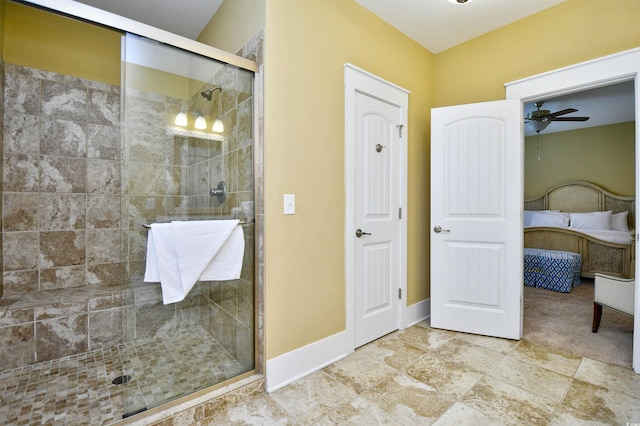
x,y
220,192
360,233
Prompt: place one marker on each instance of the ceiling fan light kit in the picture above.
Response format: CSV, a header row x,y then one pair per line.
x,y
539,120
538,126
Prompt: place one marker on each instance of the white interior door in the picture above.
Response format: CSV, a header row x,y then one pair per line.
x,y
476,225
377,202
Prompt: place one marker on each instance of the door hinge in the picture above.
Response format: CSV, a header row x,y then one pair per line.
x,y
400,213
400,293
400,126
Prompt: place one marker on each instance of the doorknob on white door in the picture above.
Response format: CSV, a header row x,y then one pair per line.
x,y
359,233
438,229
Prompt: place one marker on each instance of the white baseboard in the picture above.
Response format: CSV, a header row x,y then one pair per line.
x,y
416,313
289,367
294,365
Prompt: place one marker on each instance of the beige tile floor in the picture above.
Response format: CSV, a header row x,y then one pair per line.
x,y
423,376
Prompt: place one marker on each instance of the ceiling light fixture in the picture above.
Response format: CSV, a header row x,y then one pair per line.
x,y
459,1
538,125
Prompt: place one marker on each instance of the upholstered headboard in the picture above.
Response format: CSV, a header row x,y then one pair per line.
x,y
582,197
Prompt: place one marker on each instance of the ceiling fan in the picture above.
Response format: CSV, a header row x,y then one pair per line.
x,y
539,120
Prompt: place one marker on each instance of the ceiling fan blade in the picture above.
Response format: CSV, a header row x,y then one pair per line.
x,y
568,118
562,112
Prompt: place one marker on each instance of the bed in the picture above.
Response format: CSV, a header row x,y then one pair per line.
x,y
572,217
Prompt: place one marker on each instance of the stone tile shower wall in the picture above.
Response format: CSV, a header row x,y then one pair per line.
x,y
74,201
60,216
231,304
61,182
1,146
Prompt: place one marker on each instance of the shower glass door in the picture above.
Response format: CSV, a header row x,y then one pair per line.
x,y
172,158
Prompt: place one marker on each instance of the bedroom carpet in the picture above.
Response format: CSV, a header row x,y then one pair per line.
x,y
563,321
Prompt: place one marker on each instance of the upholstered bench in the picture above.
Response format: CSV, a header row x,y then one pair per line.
x,y
552,269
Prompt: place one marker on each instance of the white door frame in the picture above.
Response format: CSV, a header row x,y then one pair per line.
x,y
358,80
604,71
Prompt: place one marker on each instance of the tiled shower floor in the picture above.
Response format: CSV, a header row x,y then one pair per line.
x,y
79,390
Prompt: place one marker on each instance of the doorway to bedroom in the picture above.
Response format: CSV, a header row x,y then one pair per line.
x,y
601,151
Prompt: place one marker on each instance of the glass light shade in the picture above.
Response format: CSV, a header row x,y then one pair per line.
x,y
200,123
218,126
538,126
181,119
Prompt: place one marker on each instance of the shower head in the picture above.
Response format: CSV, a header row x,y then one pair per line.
x,y
207,93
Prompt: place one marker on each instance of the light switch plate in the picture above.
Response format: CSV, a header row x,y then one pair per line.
x,y
289,204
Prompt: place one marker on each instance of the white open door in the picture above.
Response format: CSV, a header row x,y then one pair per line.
x,y
476,224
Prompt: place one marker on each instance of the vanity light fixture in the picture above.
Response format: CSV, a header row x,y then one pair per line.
x,y
181,119
218,126
201,122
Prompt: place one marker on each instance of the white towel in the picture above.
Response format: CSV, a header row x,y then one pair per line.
x,y
181,253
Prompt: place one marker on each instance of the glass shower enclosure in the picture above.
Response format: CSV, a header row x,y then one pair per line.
x,y
187,154
105,134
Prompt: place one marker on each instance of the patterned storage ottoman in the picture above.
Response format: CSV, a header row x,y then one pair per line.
x,y
551,269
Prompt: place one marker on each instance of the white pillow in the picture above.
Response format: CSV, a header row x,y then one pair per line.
x,y
619,222
550,218
593,220
528,214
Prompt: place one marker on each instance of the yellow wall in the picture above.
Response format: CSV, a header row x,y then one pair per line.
x,y
2,26
44,40
39,39
307,44
160,82
604,155
571,32
234,24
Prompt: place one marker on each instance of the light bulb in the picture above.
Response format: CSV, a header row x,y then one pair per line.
x,y
181,119
218,126
200,123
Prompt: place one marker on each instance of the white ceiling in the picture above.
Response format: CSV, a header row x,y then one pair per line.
x,y
185,17
435,24
441,24
604,105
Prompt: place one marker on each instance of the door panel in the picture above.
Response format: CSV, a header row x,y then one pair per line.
x,y
476,200
376,204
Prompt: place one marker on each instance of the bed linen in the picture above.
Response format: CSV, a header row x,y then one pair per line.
x,y
610,236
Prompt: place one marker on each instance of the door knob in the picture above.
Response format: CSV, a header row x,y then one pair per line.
x,y
359,233
438,229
